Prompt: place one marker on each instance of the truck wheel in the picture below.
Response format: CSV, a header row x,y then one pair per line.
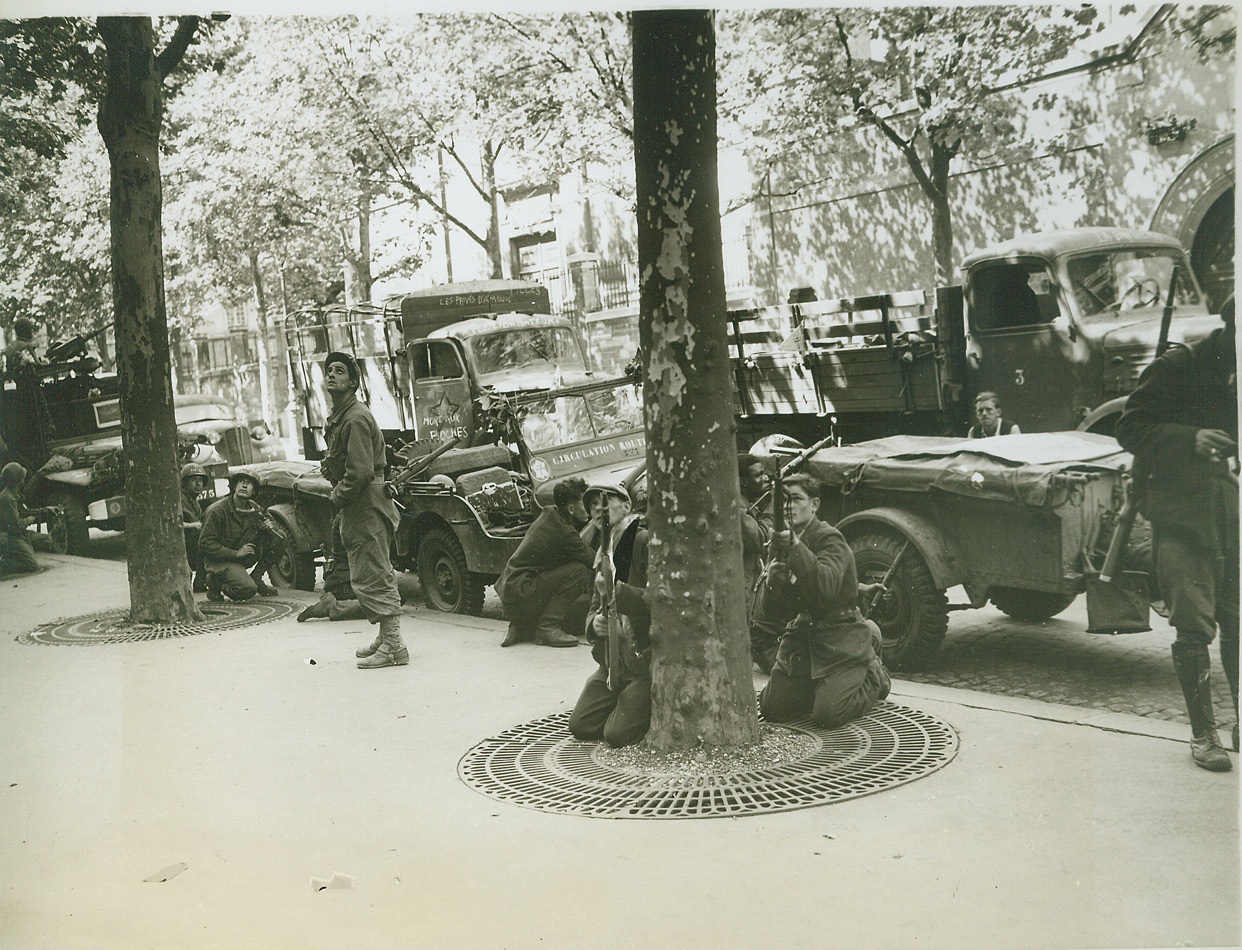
x,y
913,615
295,569
70,533
447,583
1029,605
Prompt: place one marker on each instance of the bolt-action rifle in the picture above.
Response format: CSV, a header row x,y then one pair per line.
x,y
608,605
788,469
780,524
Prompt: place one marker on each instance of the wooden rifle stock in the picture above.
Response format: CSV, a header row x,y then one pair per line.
x,y
616,635
779,524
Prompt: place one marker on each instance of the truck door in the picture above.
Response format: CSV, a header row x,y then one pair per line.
x,y
1019,345
440,390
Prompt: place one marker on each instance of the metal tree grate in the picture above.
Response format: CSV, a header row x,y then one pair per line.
x,y
539,765
114,626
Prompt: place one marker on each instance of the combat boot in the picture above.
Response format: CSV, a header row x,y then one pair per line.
x,y
370,650
391,650
350,611
1193,664
519,631
319,608
550,634
200,582
263,588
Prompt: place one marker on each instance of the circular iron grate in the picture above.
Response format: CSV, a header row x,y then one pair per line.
x,y
539,765
113,626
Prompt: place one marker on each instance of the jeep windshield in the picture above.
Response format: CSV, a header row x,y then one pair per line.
x,y
1108,283
581,417
547,349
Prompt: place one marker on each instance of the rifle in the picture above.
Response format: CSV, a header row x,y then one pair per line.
x,y
884,581
788,468
1166,318
608,606
779,522
420,465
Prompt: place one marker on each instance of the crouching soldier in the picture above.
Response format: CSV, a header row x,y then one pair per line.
x,y
828,663
548,572
16,552
615,704
193,484
239,543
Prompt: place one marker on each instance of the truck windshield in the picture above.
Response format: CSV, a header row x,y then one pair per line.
x,y
527,348
581,417
1107,283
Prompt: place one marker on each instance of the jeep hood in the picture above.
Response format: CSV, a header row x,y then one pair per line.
x,y
1143,328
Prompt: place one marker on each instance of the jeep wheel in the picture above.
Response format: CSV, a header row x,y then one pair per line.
x,y
1033,606
913,614
69,533
447,583
295,569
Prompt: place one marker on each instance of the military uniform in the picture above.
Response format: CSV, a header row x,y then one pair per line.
x,y
1192,503
828,664
226,530
355,464
622,716
16,552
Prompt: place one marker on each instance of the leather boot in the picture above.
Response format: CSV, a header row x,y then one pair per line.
x,y
350,611
364,652
200,582
264,588
319,608
1229,660
550,634
1194,669
519,631
391,650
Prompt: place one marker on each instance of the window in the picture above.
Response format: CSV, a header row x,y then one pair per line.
x,y
1108,283
435,360
1011,295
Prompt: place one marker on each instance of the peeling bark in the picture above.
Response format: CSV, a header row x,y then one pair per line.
x,y
702,692
130,116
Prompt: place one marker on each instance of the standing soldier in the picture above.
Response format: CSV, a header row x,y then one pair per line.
x,y
1181,423
354,464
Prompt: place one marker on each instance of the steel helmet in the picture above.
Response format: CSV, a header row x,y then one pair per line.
x,y
249,476
193,468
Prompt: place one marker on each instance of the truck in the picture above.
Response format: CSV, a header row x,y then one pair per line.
x,y
484,408
61,418
1059,324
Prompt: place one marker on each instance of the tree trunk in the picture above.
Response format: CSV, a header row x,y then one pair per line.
x,y
702,691
262,336
942,216
492,241
129,121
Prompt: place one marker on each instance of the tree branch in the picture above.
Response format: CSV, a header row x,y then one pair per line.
x,y
171,55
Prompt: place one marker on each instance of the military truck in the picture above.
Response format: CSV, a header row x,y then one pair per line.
x,y
464,510
1058,324
62,419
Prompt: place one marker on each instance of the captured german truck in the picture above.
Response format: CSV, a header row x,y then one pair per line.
x,y
61,418
485,400
1058,324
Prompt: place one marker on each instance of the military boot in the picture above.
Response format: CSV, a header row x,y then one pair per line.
x,y
263,588
519,631
370,650
1229,660
319,608
1194,669
391,650
550,634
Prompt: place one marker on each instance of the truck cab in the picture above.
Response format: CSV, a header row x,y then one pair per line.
x,y
1060,323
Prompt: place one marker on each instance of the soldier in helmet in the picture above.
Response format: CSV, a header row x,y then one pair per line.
x,y
16,552
193,483
238,536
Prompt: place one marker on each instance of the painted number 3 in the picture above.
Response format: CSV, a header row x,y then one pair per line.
x,y
1018,378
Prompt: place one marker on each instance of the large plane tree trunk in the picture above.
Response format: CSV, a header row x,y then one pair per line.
x,y
702,692
129,121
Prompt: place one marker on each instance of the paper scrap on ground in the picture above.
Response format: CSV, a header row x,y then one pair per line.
x,y
165,874
337,881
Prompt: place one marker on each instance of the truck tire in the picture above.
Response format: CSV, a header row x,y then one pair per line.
x,y
70,533
448,585
913,616
295,569
1033,606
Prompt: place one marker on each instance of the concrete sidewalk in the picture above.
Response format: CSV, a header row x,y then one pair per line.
x,y
232,753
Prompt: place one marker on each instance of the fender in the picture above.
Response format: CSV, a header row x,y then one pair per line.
x,y
303,543
918,530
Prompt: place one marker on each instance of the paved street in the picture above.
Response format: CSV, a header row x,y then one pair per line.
x,y
1054,661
